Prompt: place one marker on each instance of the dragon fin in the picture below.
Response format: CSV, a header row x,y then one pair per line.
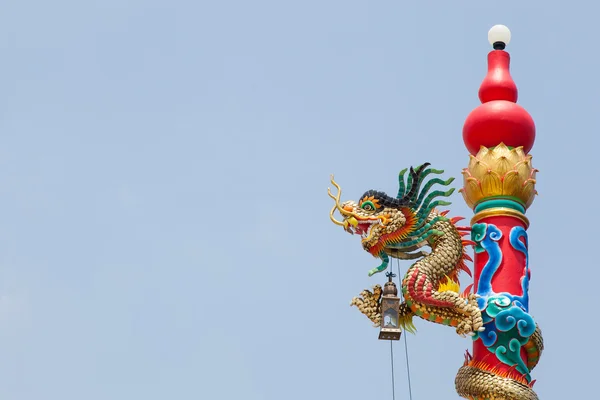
x,y
467,290
406,322
466,269
532,383
454,220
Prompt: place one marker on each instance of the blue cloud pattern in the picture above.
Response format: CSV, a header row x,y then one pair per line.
x,y
508,325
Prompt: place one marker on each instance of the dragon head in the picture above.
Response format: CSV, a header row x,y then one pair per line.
x,y
384,221
379,219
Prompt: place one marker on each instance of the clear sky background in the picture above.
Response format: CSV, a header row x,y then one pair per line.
x,y
163,190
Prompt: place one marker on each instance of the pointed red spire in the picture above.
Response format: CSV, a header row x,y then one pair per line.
x,y
498,119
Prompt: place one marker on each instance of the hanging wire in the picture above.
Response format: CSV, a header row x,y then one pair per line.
x,y
405,343
392,358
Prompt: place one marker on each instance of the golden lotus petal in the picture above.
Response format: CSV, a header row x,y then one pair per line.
x,y
483,152
501,151
472,159
472,192
524,168
491,184
466,173
512,183
502,165
528,192
479,168
519,152
474,185
533,172
487,160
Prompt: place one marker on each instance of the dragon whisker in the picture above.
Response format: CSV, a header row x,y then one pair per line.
x,y
335,221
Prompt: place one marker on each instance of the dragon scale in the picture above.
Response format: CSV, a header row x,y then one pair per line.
x,y
430,286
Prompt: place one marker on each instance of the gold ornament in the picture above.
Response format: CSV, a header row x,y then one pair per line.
x,y
496,211
499,172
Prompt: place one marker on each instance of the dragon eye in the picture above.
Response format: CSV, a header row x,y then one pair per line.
x,y
368,206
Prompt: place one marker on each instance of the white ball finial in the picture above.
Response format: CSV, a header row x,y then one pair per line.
x,y
499,34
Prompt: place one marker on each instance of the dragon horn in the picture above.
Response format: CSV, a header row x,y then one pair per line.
x,y
337,205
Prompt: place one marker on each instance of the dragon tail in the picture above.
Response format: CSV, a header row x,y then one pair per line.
x,y
479,380
475,382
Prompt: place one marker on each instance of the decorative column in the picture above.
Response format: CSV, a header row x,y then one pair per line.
x,y
499,185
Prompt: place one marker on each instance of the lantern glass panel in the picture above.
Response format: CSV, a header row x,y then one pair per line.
x,y
390,318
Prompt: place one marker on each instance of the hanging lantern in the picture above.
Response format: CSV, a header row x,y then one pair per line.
x,y
390,303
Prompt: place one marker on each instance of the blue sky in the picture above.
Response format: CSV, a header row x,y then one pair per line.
x,y
163,175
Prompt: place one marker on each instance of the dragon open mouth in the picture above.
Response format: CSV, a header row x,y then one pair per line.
x,y
364,227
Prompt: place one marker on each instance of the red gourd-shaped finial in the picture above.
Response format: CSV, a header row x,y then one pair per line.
x,y
498,119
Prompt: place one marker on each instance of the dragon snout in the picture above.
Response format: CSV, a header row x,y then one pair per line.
x,y
348,222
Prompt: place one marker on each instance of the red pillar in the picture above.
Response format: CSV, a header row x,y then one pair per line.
x,y
499,184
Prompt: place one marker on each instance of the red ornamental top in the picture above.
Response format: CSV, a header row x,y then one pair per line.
x,y
499,119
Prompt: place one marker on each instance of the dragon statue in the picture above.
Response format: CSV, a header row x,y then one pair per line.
x,y
401,227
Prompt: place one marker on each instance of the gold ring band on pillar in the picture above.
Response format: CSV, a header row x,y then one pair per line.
x,y
492,212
